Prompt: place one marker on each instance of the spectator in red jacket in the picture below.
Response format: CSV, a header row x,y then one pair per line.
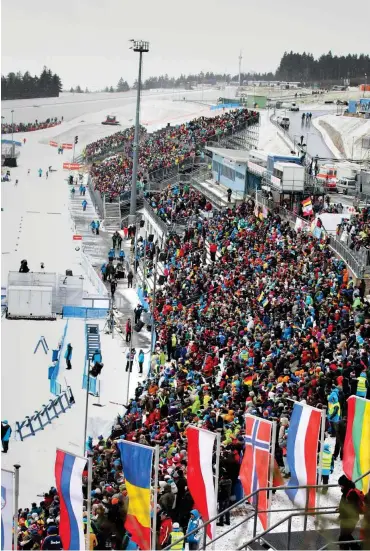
x,y
164,530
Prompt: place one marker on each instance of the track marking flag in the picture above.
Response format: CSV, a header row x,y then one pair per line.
x,y
137,469
356,450
68,478
254,471
302,442
7,482
200,474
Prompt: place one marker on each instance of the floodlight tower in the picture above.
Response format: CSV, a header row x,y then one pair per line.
x,y
141,47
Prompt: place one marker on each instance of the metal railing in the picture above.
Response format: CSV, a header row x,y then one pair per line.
x,y
245,499
96,196
256,511
356,264
92,276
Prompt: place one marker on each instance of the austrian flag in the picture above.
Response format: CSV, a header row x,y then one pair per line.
x,y
307,207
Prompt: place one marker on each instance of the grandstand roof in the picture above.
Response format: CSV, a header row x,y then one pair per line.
x,y
237,155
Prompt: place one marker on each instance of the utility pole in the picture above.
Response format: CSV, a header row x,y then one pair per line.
x,y
13,149
240,68
141,47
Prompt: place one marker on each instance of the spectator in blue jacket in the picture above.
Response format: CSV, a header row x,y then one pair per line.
x,y
103,270
96,357
141,361
194,522
84,205
6,431
68,356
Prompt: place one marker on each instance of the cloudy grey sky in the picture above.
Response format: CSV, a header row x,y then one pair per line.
x,y
86,41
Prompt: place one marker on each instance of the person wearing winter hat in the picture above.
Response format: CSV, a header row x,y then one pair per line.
x,y
194,522
327,466
362,385
350,506
175,536
52,540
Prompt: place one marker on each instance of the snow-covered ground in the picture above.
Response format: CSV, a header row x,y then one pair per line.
x,y
271,138
25,388
351,130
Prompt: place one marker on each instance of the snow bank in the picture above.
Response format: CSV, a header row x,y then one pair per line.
x,y
351,130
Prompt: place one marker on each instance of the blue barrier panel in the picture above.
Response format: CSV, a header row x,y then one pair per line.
x,y
53,370
226,106
55,387
84,313
140,294
93,385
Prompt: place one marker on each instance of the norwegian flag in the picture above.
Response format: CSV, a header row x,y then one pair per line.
x,y
254,471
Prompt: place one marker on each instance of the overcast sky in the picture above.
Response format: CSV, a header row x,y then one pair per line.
x,y
86,41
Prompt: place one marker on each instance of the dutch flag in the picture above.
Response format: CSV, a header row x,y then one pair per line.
x,y
68,478
302,442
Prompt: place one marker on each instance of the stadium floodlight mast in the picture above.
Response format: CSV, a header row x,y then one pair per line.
x,y
141,47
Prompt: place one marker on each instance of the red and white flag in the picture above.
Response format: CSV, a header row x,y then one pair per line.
x,y
254,471
200,474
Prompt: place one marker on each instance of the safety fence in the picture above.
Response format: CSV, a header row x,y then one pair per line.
x,y
92,276
96,196
82,312
44,416
53,371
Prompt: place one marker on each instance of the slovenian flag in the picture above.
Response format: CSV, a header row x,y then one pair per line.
x,y
68,478
307,207
137,469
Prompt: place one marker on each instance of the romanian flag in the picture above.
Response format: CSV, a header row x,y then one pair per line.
x,y
356,451
265,302
137,468
261,297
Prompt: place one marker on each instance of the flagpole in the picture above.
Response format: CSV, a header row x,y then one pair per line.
x,y
89,488
217,473
16,499
155,500
322,438
272,465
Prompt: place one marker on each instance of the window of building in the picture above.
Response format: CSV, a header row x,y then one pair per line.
x,y
228,172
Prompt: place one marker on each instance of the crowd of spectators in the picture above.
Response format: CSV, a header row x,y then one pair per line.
x,y
177,204
272,317
162,149
8,128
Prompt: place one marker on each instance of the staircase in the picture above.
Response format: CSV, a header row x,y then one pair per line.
x,y
92,343
92,339
92,244
112,215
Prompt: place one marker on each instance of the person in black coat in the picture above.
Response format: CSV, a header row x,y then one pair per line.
x,y
24,269
113,287
349,512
